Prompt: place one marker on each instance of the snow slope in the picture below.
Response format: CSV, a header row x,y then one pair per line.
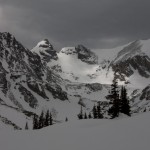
x,y
108,54
70,67
122,134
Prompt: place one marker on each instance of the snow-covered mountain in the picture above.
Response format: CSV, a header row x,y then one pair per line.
x,y
129,63
45,50
42,78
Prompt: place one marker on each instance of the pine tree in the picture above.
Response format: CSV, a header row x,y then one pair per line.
x,y
114,100
80,115
66,119
95,115
35,122
124,102
85,116
47,119
26,126
41,120
99,114
51,119
89,116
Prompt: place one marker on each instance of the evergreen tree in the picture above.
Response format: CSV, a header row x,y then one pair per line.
x,y
41,120
51,119
114,100
85,116
26,126
66,119
47,119
124,102
35,122
80,115
99,114
89,116
95,115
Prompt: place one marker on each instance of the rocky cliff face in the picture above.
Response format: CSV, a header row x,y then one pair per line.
x,y
45,50
24,76
86,55
132,58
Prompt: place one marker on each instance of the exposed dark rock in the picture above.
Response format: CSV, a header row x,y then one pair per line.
x,y
37,88
47,51
94,87
8,122
28,97
86,55
57,92
145,93
127,67
56,68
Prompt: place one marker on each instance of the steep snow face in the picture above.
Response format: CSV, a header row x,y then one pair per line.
x,y
79,64
122,134
108,54
133,61
129,51
72,65
45,50
139,47
76,70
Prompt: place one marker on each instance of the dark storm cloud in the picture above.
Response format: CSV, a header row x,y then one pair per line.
x,y
95,23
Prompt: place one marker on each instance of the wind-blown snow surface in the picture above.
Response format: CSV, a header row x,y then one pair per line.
x,y
122,134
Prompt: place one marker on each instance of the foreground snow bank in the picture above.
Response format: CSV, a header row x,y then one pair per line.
x,y
122,134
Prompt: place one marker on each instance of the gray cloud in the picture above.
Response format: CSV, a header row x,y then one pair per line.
x,y
94,23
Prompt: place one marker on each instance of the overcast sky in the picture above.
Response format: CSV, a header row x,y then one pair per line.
x,y
93,23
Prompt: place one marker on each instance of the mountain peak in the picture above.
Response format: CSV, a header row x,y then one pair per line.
x,y
45,44
7,37
6,34
8,41
86,55
45,50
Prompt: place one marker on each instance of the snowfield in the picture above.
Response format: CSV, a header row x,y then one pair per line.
x,y
119,134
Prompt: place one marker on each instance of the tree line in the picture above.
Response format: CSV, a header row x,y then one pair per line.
x,y
43,120
96,111
118,103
